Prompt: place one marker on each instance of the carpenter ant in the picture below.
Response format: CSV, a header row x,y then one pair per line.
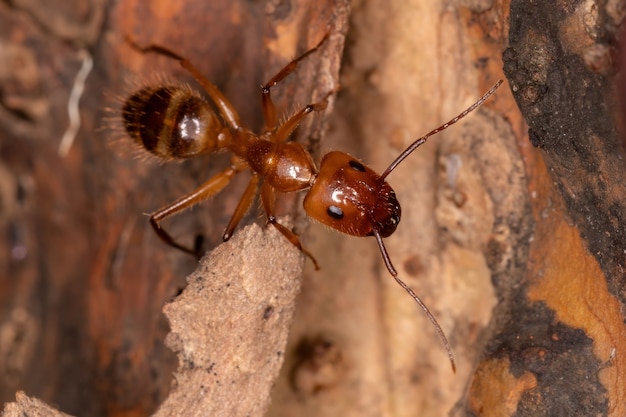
x,y
175,122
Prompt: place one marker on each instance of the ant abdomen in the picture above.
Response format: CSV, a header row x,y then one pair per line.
x,y
172,122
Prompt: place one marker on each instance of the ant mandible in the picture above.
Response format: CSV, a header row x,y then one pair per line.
x,y
175,122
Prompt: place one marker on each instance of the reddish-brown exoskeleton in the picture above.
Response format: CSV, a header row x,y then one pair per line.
x,y
174,122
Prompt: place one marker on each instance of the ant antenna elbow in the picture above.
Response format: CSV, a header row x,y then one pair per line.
x,y
431,317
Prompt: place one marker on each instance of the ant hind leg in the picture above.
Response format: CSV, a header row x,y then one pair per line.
x,y
208,189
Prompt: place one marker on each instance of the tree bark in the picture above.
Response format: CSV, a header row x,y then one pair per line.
x,y
518,250
86,278
512,227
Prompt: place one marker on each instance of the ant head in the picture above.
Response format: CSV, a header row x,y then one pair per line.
x,y
352,198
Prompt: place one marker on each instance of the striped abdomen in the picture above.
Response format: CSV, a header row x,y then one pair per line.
x,y
171,122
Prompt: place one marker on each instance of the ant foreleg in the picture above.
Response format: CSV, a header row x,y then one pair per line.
x,y
286,129
208,189
224,106
268,199
243,206
269,110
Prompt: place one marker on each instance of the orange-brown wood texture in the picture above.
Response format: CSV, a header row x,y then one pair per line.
x,y
512,231
85,278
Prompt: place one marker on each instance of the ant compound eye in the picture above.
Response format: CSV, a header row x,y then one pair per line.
x,y
335,212
357,166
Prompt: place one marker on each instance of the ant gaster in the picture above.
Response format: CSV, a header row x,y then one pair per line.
x,y
175,122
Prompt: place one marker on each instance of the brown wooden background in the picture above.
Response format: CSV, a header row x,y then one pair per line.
x,y
513,227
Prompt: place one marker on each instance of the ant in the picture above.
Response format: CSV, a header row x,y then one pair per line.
x,y
175,122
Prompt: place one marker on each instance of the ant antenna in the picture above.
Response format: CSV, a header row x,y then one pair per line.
x,y
379,238
419,301
423,139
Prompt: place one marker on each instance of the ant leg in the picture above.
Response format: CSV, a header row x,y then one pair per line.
x,y
268,198
286,129
243,206
226,109
269,110
208,189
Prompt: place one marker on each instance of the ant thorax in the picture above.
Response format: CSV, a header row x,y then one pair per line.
x,y
286,166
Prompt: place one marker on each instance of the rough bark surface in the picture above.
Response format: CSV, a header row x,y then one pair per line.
x,y
518,250
229,327
564,340
85,278
25,406
512,226
360,345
